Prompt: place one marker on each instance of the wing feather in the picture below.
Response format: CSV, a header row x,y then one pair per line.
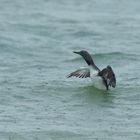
x,y
81,73
109,76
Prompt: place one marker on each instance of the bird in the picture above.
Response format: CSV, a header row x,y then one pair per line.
x,y
102,79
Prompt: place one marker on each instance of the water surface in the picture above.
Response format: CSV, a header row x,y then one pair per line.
x,y
37,38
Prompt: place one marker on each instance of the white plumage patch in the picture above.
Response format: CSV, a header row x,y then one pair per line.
x,y
96,80
93,72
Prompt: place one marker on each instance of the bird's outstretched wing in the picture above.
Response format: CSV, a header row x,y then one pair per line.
x,y
109,76
81,73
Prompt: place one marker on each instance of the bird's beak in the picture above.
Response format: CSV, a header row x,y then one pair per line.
x,y
77,52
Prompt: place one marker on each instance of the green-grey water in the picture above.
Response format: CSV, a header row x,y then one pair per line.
x,y
37,101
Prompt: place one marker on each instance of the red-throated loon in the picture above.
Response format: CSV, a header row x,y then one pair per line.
x,y
102,79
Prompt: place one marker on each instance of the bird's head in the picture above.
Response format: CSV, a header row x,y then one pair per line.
x,y
82,53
